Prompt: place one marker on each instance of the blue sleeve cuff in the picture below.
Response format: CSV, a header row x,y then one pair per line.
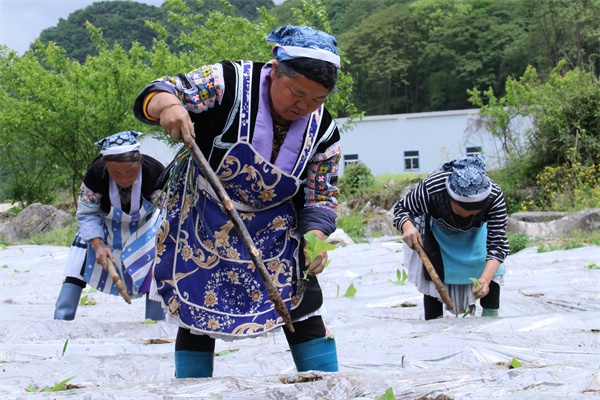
x,y
138,105
91,226
319,218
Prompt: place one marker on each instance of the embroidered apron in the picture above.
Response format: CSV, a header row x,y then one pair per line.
x,y
463,253
203,271
131,238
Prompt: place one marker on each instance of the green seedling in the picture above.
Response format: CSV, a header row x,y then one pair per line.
x,y
401,276
591,265
149,321
4,266
86,301
388,395
65,346
314,247
470,307
351,291
514,363
337,294
225,352
56,388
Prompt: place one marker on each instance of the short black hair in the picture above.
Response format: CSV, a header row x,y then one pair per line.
x,y
322,72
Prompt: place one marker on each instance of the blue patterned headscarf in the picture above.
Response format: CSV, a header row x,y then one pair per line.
x,y
119,143
468,182
304,41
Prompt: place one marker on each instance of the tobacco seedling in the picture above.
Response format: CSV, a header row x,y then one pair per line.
x,y
401,276
85,302
351,291
314,247
65,347
470,308
514,363
56,388
388,395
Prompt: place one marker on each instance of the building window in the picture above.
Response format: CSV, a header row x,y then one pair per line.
x,y
350,159
411,160
471,151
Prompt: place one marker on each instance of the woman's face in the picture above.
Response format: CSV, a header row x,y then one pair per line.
x,y
292,98
458,210
123,173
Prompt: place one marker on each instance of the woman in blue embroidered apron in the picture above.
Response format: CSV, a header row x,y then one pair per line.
x,y
275,148
117,220
458,216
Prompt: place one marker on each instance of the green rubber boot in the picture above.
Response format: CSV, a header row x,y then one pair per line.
x,y
193,364
315,355
489,312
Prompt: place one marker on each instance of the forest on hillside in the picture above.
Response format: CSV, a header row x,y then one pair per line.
x,y
404,55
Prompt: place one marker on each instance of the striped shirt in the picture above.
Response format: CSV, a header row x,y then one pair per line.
x,y
431,197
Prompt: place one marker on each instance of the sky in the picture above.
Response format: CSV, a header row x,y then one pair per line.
x,y
22,21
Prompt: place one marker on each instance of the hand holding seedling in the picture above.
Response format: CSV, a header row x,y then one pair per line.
x,y
481,287
316,252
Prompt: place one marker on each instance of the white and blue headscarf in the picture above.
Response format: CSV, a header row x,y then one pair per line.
x,y
119,143
468,182
304,41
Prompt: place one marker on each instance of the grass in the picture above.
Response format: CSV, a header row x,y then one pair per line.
x,y
57,237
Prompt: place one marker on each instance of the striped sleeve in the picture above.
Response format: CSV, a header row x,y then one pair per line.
x,y
497,242
416,202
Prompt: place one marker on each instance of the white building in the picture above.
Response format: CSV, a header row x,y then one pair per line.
x,y
418,142
397,143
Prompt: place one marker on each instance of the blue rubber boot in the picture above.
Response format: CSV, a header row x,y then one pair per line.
x,y
154,310
489,312
315,355
67,302
193,364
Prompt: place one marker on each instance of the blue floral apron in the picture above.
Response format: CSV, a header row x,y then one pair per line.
x,y
204,272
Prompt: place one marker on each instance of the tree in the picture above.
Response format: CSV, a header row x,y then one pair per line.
x,y
53,108
563,115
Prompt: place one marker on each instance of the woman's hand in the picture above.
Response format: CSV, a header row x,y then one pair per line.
x,y
482,289
102,252
318,264
411,235
173,116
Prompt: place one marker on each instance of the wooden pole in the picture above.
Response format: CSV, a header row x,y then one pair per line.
x,y
112,272
434,277
214,182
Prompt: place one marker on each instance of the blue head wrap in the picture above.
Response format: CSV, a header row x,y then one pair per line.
x,y
468,182
304,41
122,142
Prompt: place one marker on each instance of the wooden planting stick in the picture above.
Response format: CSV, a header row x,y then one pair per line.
x,y
112,272
435,277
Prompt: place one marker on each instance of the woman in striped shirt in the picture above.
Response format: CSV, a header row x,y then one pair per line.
x,y
458,216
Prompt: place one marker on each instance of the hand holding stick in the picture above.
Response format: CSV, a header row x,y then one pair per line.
x,y
434,277
112,272
214,182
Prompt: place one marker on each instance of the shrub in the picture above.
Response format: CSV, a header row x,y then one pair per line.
x,y
568,187
356,176
517,241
